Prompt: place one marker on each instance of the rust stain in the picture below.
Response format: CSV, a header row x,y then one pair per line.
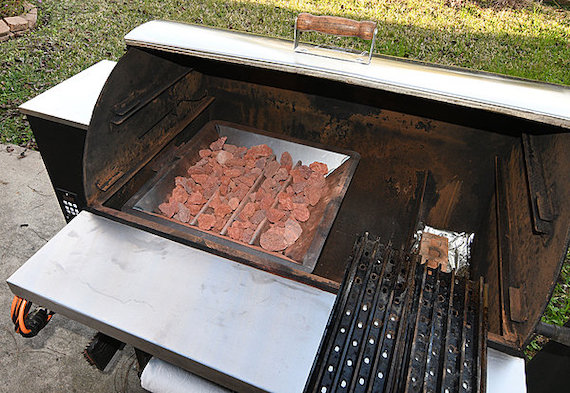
x,y
448,196
434,251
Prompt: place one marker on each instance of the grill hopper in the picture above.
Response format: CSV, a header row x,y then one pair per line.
x,y
303,254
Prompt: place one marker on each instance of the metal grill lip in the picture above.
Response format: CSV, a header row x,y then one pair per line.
x,y
422,334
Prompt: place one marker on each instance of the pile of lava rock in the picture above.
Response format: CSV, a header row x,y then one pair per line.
x,y
247,194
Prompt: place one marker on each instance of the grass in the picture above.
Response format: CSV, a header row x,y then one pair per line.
x,y
11,8
558,310
527,39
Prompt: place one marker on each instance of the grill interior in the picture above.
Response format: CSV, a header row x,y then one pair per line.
x,y
422,162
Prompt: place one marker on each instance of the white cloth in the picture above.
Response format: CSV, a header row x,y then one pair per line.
x,y
505,373
161,377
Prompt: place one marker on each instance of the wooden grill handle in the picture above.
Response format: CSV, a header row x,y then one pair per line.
x,y
336,25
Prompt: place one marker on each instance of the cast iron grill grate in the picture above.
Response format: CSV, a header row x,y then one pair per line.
x,y
399,326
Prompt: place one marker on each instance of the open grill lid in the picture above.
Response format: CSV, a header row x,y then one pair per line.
x,y
156,80
543,102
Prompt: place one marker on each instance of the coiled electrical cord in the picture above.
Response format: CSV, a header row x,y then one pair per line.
x,y
26,323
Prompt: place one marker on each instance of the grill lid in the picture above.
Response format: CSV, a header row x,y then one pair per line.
x,y
547,103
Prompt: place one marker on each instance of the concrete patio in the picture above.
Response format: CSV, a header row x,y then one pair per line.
x,y
53,360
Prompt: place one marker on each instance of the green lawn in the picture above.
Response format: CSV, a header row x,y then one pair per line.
x,y
558,311
531,40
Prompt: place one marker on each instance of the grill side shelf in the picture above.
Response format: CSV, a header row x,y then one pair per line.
x,y
398,326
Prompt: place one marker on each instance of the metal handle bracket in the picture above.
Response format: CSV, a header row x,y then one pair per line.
x,y
333,25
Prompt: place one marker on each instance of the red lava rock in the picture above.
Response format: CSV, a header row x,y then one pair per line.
x,y
196,198
273,239
202,162
185,182
281,174
301,212
179,194
215,202
298,175
299,198
200,178
223,189
256,172
248,179
230,148
208,169
286,161
168,209
274,215
219,225
259,151
247,211
233,172
241,193
317,180
250,163
299,186
292,231
194,209
206,221
246,224
213,181
319,167
183,213
266,202
241,150
306,171
218,170
233,203
313,195
235,231
194,170
257,217
247,234
260,163
289,190
236,162
269,184
259,194
222,210
285,201
209,191
218,144
223,157
271,168
225,180
205,153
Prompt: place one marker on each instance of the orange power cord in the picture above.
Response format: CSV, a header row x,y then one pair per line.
x,y
19,314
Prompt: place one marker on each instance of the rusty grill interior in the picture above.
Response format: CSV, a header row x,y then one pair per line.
x,y
422,162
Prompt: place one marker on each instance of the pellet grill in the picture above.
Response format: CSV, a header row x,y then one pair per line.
x,y
409,145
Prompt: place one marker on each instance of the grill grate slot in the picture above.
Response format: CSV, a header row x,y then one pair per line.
x,y
398,326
